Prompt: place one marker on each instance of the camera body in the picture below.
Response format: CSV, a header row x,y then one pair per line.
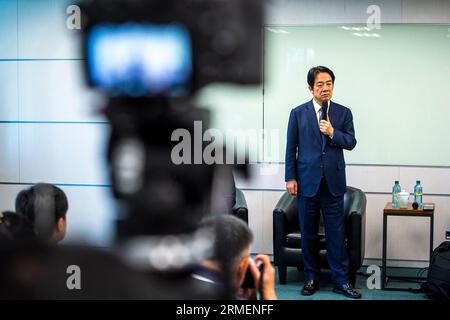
x,y
249,282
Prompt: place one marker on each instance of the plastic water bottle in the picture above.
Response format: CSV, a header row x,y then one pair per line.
x,y
418,193
395,190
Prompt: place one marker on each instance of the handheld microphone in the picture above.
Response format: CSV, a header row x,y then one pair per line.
x,y
325,110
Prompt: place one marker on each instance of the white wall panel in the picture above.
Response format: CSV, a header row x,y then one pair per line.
x,y
8,91
42,30
270,199
8,30
60,153
263,176
255,223
446,11
372,178
417,11
374,224
91,216
408,238
301,12
433,180
9,156
8,195
63,96
390,10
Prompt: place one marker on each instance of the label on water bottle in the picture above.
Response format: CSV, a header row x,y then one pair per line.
x,y
394,200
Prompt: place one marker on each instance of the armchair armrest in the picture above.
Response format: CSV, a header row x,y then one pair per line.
x,y
356,226
284,202
240,200
281,221
240,208
284,206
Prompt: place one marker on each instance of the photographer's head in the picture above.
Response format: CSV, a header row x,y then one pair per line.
x,y
235,236
45,206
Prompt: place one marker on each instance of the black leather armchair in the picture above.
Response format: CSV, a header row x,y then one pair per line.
x,y
240,208
287,237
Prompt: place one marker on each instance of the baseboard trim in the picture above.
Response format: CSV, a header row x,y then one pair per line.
x,y
396,263
391,263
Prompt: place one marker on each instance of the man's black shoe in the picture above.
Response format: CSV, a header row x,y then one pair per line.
x,y
310,287
348,291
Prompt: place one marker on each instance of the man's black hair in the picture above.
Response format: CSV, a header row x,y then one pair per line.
x,y
312,73
43,204
231,233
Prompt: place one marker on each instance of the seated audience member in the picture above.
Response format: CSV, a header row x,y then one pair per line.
x,y
45,205
15,228
234,236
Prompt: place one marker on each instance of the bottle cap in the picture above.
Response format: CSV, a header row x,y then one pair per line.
x,y
418,181
396,181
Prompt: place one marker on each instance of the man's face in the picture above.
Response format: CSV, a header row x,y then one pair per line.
x,y
323,87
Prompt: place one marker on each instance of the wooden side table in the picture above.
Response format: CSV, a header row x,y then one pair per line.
x,y
408,212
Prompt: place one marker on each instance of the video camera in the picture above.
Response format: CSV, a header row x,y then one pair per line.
x,y
149,58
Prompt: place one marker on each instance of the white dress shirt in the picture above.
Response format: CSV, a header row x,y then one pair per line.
x,y
318,109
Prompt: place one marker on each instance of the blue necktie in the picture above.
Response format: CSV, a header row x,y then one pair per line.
x,y
323,113
323,116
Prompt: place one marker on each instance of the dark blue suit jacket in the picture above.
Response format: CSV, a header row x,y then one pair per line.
x,y
308,158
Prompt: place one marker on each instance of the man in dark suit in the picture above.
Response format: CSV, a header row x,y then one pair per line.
x,y
318,132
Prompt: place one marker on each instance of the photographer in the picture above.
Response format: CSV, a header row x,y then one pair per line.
x,y
233,235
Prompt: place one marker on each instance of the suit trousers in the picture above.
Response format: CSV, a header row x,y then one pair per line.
x,y
332,209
